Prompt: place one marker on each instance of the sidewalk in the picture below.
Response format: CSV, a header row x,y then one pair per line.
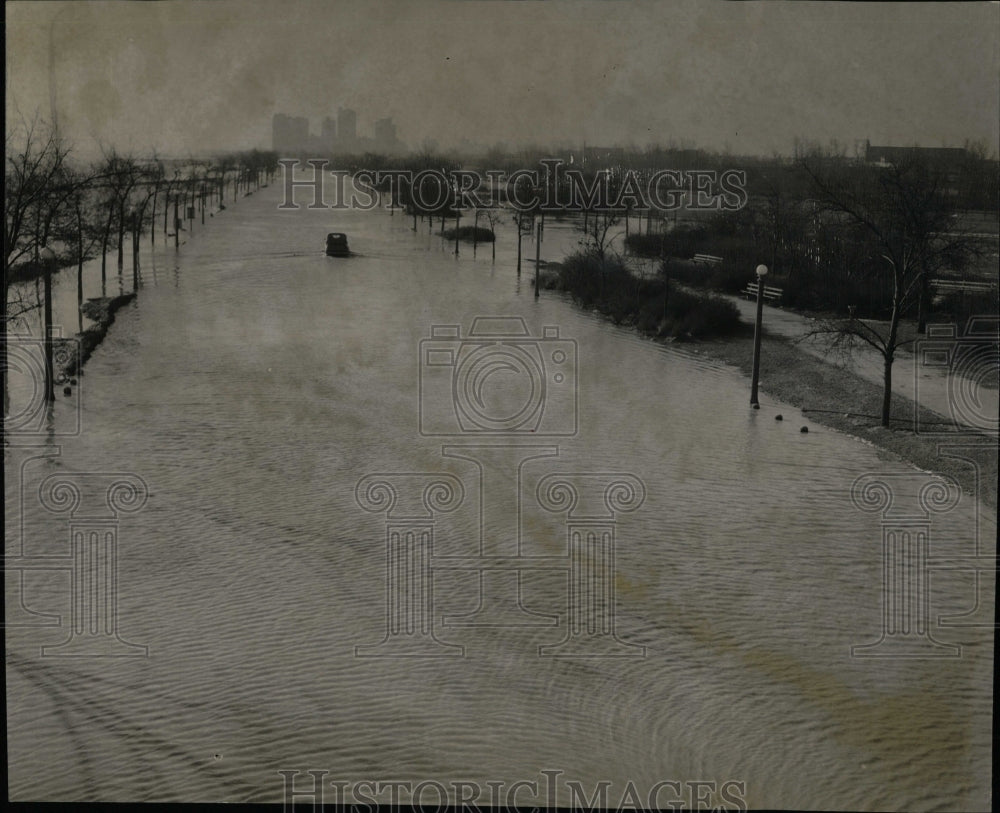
x,y
928,385
925,384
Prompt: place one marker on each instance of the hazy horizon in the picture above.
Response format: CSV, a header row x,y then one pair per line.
x,y
187,77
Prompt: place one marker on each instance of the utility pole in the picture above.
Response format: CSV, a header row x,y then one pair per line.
x,y
538,255
518,221
49,260
757,330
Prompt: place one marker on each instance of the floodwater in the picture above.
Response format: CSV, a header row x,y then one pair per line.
x,y
252,386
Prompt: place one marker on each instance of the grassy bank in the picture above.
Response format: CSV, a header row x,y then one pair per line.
x,y
837,398
830,395
470,234
102,312
653,305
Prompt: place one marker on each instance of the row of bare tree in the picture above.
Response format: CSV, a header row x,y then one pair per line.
x,y
60,213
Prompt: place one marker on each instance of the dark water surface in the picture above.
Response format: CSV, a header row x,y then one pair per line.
x,y
251,386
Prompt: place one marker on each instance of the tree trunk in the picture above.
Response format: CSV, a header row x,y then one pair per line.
x,y
79,267
887,391
3,353
121,237
50,387
890,348
136,227
152,218
104,245
923,303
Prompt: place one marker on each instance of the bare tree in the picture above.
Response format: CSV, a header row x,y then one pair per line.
x,y
524,221
38,186
80,230
598,236
150,179
906,213
119,175
493,215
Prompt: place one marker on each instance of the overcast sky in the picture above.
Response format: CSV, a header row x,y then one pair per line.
x,y
189,77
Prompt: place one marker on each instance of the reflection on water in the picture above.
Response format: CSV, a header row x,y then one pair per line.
x,y
255,381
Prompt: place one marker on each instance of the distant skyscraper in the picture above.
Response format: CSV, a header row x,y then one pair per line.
x,y
385,135
300,132
328,133
280,129
289,136
347,126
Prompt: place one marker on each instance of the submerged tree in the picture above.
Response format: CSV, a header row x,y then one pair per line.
x,y
908,218
38,187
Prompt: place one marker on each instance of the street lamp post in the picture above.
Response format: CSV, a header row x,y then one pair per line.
x,y
761,273
48,257
538,255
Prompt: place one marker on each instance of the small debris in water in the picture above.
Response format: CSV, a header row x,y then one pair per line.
x,y
67,391
804,429
778,418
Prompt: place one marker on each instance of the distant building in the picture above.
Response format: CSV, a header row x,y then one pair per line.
x,y
949,163
602,156
289,136
328,133
385,135
347,128
943,157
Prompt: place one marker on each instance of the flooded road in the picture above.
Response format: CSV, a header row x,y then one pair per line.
x,y
705,565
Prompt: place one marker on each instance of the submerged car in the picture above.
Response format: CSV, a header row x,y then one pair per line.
x,y
336,245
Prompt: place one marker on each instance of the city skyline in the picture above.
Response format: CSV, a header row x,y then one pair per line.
x,y
749,78
294,134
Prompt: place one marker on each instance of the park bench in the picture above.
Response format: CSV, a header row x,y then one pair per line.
x,y
706,259
771,294
962,286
